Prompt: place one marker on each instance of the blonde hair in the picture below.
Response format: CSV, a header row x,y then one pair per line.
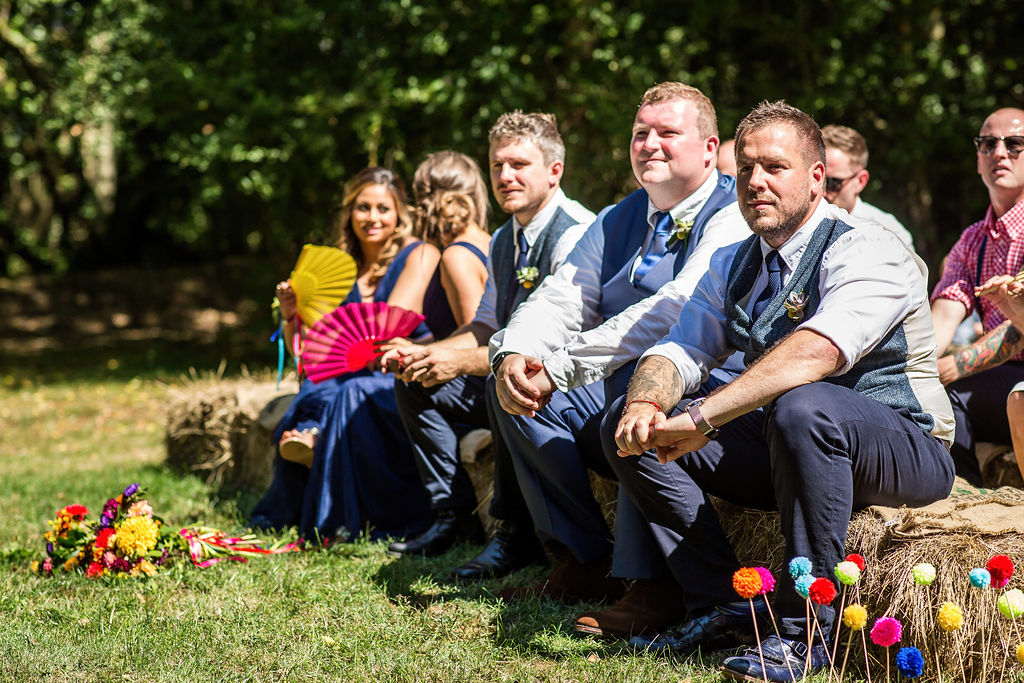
x,y
347,240
707,121
539,128
450,196
848,141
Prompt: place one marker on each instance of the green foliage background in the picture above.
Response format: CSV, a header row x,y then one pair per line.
x,y
156,131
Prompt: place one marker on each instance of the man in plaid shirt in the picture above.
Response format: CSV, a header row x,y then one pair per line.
x,y
980,377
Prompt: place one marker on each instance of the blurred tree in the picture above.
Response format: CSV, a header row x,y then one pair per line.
x,y
145,131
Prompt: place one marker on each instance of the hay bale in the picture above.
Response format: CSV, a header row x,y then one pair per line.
x,y
220,429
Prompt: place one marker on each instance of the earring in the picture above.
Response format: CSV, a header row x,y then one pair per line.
x,y
397,229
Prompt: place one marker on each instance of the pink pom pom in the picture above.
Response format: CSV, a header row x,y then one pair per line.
x,y
886,631
767,580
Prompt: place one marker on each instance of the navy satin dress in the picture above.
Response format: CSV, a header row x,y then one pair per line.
x,y
363,476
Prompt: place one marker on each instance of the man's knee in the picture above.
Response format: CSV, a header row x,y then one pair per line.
x,y
805,409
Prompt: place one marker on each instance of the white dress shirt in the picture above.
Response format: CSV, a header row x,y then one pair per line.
x,y
561,322
869,283
486,312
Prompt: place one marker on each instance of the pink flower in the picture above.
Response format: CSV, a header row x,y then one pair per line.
x,y
886,631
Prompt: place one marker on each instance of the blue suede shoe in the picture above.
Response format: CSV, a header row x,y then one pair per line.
x,y
784,660
720,627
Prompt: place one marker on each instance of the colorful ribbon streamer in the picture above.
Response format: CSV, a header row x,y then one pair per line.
x,y
208,546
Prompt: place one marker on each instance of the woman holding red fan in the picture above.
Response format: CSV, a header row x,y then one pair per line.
x,y
362,475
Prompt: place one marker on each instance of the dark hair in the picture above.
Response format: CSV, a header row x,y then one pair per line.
x,y
771,113
347,240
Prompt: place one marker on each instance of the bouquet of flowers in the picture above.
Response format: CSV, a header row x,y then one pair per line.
x,y
130,540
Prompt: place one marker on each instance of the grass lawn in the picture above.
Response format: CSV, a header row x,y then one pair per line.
x,y
348,613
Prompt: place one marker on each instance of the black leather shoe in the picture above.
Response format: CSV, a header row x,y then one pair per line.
x,y
513,547
784,660
450,527
720,627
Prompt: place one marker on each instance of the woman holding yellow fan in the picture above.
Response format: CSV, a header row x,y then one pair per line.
x,y
388,263
362,474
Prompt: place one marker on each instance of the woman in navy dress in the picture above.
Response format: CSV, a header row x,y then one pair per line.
x,y
394,266
363,477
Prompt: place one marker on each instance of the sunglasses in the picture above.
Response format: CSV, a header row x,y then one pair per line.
x,y
833,185
987,144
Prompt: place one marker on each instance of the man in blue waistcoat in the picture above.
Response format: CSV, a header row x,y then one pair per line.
x,y
614,297
443,385
840,406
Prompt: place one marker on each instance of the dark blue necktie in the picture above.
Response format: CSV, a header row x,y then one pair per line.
x,y
523,249
773,263
658,247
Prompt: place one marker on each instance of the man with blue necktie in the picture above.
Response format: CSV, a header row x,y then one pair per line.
x,y
572,345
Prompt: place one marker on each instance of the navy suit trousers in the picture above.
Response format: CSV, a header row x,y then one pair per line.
x,y
815,454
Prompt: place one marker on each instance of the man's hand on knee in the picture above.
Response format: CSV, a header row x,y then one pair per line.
x,y
517,392
636,430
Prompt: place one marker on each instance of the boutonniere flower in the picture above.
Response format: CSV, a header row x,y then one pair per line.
x,y
794,304
682,231
527,276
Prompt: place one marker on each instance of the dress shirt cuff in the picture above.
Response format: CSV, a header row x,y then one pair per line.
x,y
957,292
561,369
685,366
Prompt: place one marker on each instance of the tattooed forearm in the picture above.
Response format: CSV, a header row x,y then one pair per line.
x,y
656,379
994,348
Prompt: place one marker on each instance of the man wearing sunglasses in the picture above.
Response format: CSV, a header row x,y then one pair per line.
x,y
993,246
846,176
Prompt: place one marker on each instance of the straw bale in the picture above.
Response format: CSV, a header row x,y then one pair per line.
x,y
220,428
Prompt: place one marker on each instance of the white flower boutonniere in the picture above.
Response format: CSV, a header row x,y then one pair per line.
x,y
681,233
794,304
527,276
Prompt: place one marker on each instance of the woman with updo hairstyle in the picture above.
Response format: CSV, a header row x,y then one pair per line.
x,y
368,481
395,265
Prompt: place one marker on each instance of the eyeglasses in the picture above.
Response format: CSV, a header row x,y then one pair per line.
x,y
987,144
833,185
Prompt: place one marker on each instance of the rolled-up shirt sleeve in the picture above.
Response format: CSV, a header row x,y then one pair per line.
x,y
595,354
957,281
564,304
860,273
696,344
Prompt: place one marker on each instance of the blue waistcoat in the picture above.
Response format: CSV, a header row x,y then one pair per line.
x,y
625,230
509,293
880,375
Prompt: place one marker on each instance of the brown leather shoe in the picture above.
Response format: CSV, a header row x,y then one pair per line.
x,y
571,582
648,607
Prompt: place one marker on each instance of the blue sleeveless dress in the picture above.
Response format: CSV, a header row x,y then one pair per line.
x,y
363,475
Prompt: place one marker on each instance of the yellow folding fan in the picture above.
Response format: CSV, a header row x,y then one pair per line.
x,y
322,278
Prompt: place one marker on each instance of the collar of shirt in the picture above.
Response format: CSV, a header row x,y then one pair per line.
x,y
792,249
689,207
540,220
1010,223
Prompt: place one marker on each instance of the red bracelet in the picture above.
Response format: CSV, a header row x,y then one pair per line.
x,y
641,400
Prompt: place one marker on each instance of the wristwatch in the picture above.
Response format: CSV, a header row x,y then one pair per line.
x,y
693,410
496,361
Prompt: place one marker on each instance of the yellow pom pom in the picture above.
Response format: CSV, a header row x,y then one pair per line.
x,y
1020,653
855,617
951,617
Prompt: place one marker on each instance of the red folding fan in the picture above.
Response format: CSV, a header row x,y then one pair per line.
x,y
343,340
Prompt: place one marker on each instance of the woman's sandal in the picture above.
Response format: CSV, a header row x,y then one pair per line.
x,y
298,447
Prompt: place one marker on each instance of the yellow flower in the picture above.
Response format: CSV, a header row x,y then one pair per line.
x,y
1020,653
146,567
136,536
855,617
951,617
35,566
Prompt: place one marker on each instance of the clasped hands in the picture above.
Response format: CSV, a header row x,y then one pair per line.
x,y
643,427
523,385
428,365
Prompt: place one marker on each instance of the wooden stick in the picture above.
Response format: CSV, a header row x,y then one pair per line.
x,y
980,291
757,637
775,625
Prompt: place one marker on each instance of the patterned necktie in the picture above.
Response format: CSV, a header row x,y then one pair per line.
x,y
773,263
658,247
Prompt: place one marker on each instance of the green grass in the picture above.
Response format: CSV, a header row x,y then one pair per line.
x,y
347,613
